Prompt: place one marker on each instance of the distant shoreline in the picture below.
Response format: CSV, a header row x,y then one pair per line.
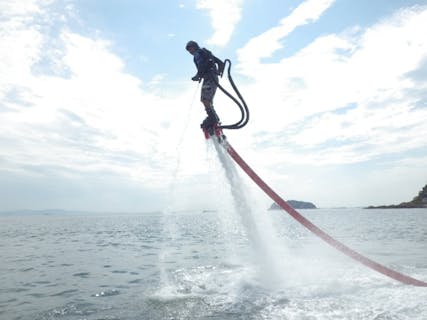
x,y
405,205
420,201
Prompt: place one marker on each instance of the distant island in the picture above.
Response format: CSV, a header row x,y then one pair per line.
x,y
294,204
420,201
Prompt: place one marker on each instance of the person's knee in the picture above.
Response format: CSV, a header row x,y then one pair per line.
x,y
206,103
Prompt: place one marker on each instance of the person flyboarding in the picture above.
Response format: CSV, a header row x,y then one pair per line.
x,y
208,69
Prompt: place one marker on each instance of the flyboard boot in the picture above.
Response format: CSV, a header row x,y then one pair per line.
x,y
210,125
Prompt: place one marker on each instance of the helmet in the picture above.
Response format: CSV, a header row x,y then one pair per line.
x,y
192,44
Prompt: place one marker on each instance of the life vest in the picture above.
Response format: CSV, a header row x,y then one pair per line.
x,y
209,63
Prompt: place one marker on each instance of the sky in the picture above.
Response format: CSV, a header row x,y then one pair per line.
x,y
98,111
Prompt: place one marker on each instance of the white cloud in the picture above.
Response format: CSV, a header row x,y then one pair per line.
x,y
22,7
224,15
264,45
88,116
345,98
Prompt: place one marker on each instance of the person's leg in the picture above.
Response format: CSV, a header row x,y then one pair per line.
x,y
208,93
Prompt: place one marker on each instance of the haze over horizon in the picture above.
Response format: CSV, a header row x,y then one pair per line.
x,y
99,112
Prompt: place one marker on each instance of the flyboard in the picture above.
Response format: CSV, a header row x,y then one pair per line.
x,y
215,131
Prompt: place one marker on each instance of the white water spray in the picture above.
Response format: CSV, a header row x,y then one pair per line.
x,y
169,226
267,249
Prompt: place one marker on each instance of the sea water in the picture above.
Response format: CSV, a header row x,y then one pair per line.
x,y
239,261
112,266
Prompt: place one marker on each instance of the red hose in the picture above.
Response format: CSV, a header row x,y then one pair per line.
x,y
316,230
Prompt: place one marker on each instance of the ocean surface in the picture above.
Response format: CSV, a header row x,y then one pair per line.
x,y
237,261
193,265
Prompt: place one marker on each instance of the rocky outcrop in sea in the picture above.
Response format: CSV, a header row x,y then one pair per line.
x,y
295,204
